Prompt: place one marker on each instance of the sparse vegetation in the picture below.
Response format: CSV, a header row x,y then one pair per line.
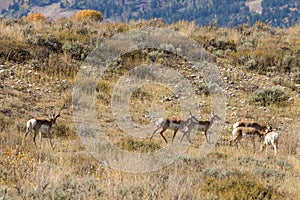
x,y
38,67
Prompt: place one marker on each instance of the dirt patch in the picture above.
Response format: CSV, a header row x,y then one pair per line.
x,y
53,11
254,5
4,4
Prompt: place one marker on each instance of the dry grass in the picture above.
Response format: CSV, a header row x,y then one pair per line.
x,y
42,83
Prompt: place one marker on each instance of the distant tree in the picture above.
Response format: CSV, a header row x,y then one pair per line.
x,y
34,17
86,15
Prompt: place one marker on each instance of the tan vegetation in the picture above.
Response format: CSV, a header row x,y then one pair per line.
x,y
38,67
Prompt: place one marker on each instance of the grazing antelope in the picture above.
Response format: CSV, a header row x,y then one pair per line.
x,y
271,138
172,124
253,125
242,132
40,125
201,126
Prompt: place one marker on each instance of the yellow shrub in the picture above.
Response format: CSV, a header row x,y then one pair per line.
x,y
86,15
34,17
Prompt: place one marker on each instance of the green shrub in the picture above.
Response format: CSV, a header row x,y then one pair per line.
x,y
138,146
13,50
239,186
268,96
217,173
220,44
250,160
78,51
271,174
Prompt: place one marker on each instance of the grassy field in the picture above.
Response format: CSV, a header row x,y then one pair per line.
x,y
39,62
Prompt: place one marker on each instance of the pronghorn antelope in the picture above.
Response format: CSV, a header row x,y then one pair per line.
x,y
201,126
253,125
40,125
241,132
172,124
271,138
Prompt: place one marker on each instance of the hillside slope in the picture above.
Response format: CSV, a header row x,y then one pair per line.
x,y
39,61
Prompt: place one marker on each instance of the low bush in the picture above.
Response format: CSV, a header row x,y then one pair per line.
x,y
268,96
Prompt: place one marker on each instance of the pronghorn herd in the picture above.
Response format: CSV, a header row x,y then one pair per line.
x,y
173,124
241,129
244,129
191,123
